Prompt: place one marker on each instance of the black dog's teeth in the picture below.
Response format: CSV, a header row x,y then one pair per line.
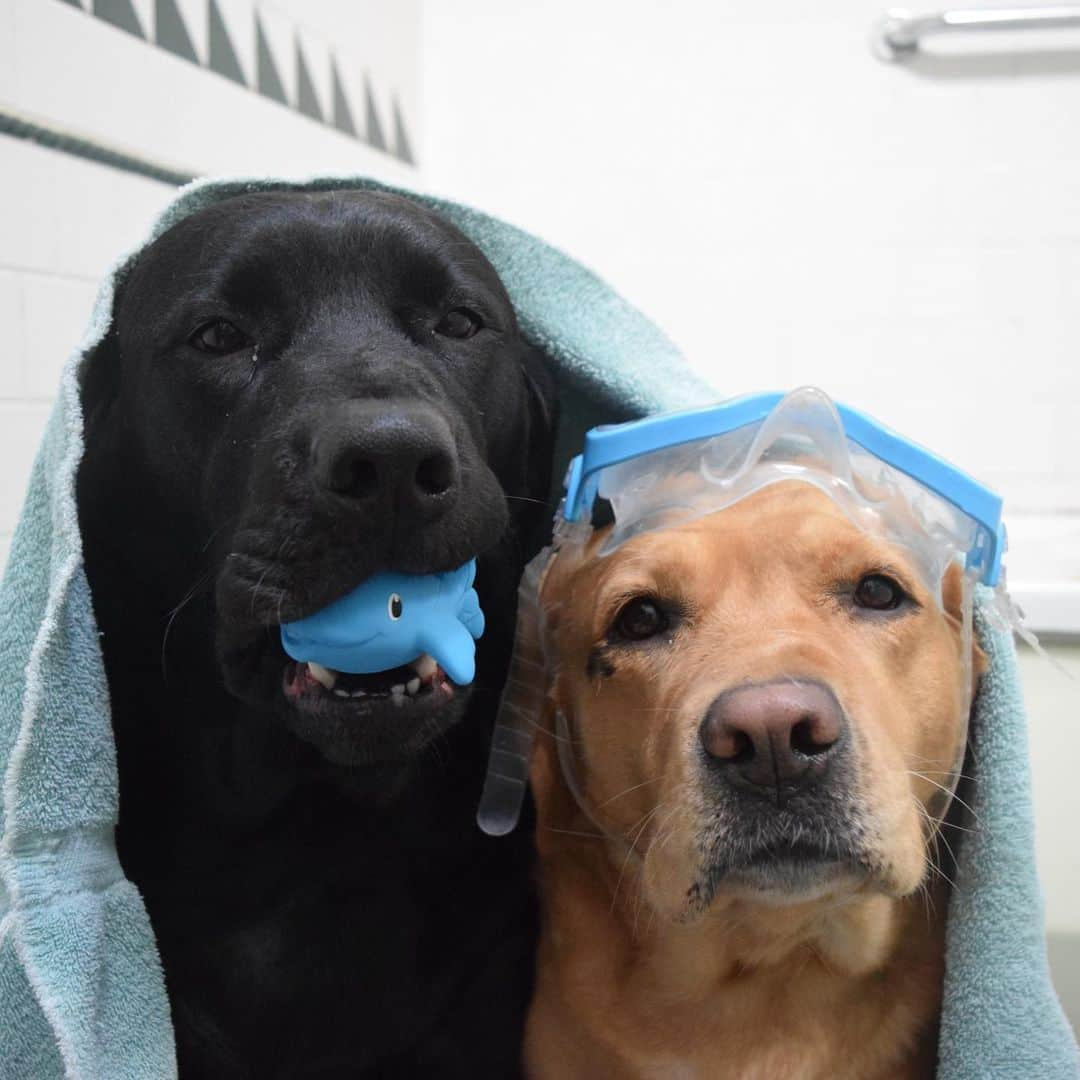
x,y
379,682
408,680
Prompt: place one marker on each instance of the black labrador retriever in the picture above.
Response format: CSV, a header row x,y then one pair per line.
x,y
299,391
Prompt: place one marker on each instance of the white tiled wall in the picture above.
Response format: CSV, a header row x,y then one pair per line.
x,y
64,220
59,63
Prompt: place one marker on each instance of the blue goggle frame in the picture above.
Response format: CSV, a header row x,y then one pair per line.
x,y
611,444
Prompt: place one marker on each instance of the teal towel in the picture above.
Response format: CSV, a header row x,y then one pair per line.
x,y
81,990
1001,1017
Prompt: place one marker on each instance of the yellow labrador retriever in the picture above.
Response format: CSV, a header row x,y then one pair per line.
x,y
763,710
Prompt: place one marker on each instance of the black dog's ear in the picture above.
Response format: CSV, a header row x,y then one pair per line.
x,y
533,514
100,380
543,394
543,415
603,513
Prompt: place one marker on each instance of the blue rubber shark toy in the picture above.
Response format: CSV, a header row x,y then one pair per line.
x,y
390,620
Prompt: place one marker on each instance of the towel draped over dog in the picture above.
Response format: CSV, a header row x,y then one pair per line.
x,y
81,988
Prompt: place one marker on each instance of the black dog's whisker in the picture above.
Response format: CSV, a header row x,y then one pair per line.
x,y
202,581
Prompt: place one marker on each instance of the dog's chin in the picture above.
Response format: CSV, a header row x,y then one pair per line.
x,y
784,880
383,720
782,875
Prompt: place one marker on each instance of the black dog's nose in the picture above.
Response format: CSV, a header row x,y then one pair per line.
x,y
774,735
401,453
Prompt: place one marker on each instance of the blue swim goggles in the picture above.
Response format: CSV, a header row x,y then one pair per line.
x,y
664,470
640,470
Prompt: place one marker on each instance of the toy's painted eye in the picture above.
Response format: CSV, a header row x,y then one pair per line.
x,y
394,606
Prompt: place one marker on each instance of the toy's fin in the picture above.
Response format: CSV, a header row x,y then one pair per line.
x,y
470,614
454,649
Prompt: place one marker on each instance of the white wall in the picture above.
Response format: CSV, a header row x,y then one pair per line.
x,y
63,221
792,211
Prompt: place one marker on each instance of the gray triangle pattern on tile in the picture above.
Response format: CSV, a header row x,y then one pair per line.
x,y
171,33
402,146
121,14
222,54
267,80
343,119
170,30
375,136
307,101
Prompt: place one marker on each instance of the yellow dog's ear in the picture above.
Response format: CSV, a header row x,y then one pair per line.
x,y
952,599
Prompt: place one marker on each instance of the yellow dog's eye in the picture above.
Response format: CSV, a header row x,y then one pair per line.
x,y
639,619
878,592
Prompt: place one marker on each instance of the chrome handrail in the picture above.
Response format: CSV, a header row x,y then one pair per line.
x,y
899,33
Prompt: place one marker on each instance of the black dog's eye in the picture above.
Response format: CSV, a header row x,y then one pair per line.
x,y
638,620
460,323
878,592
219,338
394,606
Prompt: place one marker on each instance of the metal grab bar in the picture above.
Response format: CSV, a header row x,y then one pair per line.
x,y
899,32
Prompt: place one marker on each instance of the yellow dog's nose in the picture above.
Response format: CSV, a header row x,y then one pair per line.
x,y
774,735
